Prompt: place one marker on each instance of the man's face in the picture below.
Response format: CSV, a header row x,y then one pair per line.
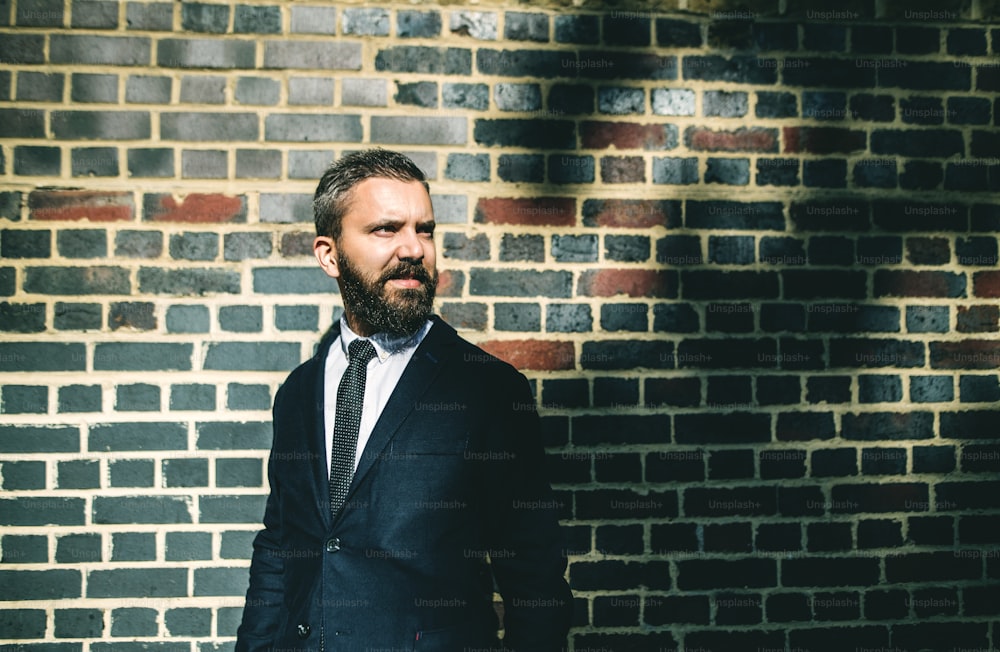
x,y
384,260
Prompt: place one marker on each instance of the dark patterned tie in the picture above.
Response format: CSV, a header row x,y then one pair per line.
x,y
350,400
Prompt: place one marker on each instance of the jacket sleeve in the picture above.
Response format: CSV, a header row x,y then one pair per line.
x,y
265,597
527,551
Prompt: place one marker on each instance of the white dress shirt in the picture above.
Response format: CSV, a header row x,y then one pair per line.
x,y
392,354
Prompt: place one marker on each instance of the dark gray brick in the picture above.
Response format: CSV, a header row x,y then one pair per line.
x,y
724,104
203,17
79,474
249,397
418,130
306,128
544,134
142,356
466,96
101,125
149,16
22,48
78,316
459,246
78,548
522,317
151,163
23,624
247,472
305,91
80,398
139,397
286,208
188,621
252,356
39,439
564,168
37,13
189,126
314,55
131,473
22,475
22,317
468,167
418,24
411,58
241,319
529,168
188,281
77,281
138,315
583,29
308,164
296,318
22,123
40,87
37,161
225,435
82,243
140,509
729,171
291,280
201,164
187,319
522,26
7,281
30,511
526,63
422,94
450,209
133,546
27,549
520,283
137,582
137,436
244,246
134,621
235,545
35,243
462,315
314,20
517,97
365,21
10,204
185,472
207,89
258,164
100,50
205,53
94,88
364,92
24,399
194,246
257,19
575,248
192,397
621,101
42,356
568,318
139,244
244,508
927,319
41,584
258,90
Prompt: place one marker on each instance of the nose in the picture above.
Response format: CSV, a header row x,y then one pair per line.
x,y
410,247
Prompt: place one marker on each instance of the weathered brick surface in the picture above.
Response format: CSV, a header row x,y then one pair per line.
x,y
745,253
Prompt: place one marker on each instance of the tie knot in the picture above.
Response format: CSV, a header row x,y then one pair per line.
x,y
360,352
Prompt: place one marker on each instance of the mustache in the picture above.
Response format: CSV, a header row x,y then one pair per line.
x,y
406,270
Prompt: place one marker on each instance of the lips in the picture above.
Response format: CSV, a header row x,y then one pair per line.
x,y
409,276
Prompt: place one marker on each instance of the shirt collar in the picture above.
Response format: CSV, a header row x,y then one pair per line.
x,y
385,344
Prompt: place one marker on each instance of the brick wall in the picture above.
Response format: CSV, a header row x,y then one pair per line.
x,y
749,261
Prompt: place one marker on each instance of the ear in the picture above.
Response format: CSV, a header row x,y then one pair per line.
x,y
325,251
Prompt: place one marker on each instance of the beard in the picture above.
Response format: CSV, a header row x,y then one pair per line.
x,y
382,308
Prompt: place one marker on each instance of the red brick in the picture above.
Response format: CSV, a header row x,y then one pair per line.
x,y
543,211
631,213
823,140
195,208
630,282
533,354
756,139
81,205
912,283
978,319
967,354
450,283
623,169
295,244
986,284
624,135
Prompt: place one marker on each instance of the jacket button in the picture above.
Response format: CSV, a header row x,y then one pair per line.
x,y
302,630
333,544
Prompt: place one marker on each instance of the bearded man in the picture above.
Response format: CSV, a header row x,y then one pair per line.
x,y
406,471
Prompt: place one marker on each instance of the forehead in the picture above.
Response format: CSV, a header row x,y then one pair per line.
x,y
381,198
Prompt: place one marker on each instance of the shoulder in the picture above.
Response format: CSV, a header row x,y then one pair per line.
x,y
471,359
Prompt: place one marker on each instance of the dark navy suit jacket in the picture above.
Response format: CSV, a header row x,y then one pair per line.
x,y
448,501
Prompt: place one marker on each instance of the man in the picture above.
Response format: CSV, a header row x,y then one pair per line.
x,y
404,487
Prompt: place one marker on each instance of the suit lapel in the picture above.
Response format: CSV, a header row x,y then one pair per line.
x,y
423,368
